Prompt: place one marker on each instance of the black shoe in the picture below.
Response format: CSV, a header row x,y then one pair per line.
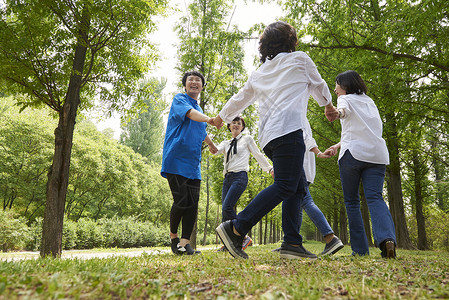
x,y
289,251
332,247
231,241
388,248
188,250
174,246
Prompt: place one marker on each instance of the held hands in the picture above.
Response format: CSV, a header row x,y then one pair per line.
x,y
332,150
331,112
217,122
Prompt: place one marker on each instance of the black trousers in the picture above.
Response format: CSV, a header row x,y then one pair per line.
x,y
186,194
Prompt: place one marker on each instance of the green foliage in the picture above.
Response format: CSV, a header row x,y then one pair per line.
x,y
25,157
14,232
116,232
144,131
38,39
212,275
106,178
437,225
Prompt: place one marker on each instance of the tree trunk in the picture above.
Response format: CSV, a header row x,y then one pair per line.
x,y
366,217
58,175
394,186
420,220
207,202
343,232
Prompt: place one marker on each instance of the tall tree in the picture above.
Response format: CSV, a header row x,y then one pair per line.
x,y
60,53
144,132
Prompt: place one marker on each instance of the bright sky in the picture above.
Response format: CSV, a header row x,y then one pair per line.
x,y
245,16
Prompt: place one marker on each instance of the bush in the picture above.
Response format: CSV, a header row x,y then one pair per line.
x,y
69,235
105,233
14,233
34,242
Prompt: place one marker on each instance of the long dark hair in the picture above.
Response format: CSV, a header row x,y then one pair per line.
x,y
351,82
276,38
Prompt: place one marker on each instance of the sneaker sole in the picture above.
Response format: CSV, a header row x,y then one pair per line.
x,y
337,247
295,255
225,240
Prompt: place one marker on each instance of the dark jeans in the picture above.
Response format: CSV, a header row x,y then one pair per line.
x,y
186,194
314,214
372,177
287,154
234,184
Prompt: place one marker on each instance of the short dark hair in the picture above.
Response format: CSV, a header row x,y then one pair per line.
x,y
276,38
237,119
351,82
193,73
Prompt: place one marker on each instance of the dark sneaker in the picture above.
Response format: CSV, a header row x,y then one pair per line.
x,y
293,252
247,241
174,245
388,249
231,241
332,247
188,250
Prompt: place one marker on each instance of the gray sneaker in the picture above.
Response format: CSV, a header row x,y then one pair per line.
x,y
231,241
332,247
295,252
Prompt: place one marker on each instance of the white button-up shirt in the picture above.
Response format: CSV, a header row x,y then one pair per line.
x,y
361,129
282,86
240,161
309,157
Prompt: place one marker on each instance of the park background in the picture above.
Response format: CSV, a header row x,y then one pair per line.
x,y
114,196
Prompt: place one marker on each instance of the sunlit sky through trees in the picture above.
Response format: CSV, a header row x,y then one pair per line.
x,y
244,16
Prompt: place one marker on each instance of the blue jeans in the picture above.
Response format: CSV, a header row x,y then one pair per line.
x,y
372,177
234,184
287,154
314,214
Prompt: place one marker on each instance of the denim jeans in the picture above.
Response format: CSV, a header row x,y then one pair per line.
x,y
372,177
234,184
287,154
314,214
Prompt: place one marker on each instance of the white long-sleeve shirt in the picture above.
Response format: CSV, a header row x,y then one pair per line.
x,y
240,161
282,86
361,129
309,157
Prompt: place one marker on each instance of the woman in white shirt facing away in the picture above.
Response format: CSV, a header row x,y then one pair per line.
x,y
282,86
363,157
235,169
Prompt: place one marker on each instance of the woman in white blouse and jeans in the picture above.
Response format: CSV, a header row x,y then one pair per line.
x,y
363,157
282,86
235,168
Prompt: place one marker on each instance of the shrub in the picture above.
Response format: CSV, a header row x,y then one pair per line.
x,y
14,232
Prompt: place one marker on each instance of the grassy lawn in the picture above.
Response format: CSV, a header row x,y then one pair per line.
x,y
414,275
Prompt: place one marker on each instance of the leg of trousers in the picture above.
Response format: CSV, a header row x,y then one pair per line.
x,y
352,171
186,194
287,154
315,214
234,184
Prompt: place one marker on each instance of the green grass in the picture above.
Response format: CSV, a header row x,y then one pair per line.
x,y
413,275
